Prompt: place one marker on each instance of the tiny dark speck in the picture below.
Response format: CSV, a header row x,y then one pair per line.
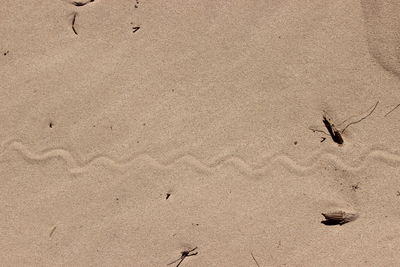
x,y
168,194
295,142
5,53
51,125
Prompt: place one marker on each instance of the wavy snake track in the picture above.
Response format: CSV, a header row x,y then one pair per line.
x,y
311,164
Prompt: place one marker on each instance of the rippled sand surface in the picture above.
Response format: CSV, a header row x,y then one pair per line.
x,y
138,133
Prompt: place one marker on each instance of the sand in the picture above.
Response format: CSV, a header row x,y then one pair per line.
x,y
133,131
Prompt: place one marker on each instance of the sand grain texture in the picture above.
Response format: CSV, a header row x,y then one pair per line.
x,y
209,103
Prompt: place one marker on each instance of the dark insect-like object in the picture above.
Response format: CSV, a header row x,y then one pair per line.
x,y
339,217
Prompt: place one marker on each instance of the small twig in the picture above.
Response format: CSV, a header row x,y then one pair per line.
x,y
73,22
135,29
363,118
255,259
52,231
316,130
336,133
392,110
184,254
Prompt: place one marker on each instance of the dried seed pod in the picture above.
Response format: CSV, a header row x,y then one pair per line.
x,y
339,217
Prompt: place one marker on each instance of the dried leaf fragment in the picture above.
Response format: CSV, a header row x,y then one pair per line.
x,y
339,217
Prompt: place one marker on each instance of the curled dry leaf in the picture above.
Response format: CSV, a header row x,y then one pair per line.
x,y
339,217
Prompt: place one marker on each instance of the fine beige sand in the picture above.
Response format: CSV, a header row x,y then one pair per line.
x,y
132,131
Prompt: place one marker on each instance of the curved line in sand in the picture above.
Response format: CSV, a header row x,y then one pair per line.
x,y
308,166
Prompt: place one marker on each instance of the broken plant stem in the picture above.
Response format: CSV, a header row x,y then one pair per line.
x,y
363,118
398,105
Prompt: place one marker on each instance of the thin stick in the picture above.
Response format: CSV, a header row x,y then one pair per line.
x,y
363,118
255,259
392,110
73,22
172,262
180,262
52,231
316,130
